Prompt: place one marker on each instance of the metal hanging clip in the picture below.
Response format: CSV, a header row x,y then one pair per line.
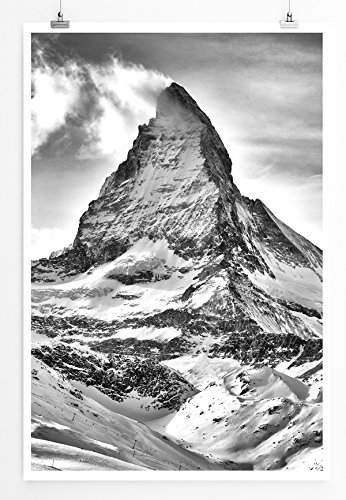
x,y
60,23
289,23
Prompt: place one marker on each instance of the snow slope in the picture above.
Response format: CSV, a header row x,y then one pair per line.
x,y
79,433
105,292
261,418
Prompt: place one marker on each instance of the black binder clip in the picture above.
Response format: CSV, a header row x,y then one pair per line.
x,y
60,23
289,22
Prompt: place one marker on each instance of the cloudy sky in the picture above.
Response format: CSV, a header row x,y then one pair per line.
x,y
262,92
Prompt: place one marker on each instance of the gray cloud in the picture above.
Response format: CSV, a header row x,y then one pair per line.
x,y
117,92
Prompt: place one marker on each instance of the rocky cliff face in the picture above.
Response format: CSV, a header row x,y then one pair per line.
x,y
172,256
119,377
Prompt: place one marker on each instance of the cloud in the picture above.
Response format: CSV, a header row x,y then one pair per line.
x,y
127,96
101,104
48,239
55,97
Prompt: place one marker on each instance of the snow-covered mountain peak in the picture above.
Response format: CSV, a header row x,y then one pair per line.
x,y
171,140
248,271
176,105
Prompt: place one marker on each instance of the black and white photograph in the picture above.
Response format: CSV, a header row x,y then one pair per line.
x,y
176,252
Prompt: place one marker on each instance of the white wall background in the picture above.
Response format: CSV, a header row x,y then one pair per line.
x,y
13,14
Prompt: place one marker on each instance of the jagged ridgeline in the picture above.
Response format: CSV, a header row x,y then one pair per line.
x,y
172,259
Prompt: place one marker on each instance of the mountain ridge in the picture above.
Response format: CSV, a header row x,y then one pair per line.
x,y
176,186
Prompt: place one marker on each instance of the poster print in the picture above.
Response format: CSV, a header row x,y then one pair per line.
x,y
176,270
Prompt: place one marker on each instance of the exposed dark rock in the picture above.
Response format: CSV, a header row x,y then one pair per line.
x,y
118,375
